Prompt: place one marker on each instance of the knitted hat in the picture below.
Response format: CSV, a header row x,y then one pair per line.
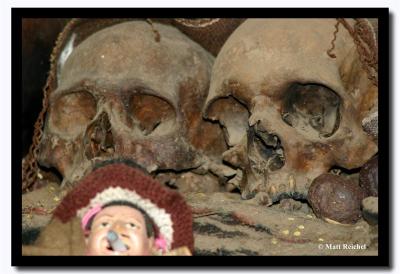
x,y
120,182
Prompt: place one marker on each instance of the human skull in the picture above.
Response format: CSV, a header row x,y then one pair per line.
x,y
123,92
290,112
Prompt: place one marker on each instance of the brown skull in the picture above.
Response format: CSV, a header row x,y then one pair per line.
x,y
124,93
289,111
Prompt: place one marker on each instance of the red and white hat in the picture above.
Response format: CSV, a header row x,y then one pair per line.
x,y
121,182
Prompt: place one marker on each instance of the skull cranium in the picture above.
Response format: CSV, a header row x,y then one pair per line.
x,y
290,112
122,94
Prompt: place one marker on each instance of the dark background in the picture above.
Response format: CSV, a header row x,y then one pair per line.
x,y
38,38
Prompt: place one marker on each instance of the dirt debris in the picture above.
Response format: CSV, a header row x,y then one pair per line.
x,y
284,233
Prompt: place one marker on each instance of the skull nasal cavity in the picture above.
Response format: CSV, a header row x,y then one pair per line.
x,y
99,139
311,109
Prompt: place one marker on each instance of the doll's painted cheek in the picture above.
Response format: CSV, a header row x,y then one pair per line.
x,y
97,243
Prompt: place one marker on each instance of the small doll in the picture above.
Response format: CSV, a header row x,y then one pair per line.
x,y
124,211
120,228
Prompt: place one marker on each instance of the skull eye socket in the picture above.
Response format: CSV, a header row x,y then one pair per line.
x,y
71,113
233,116
312,109
151,113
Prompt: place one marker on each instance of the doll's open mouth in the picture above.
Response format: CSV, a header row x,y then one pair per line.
x,y
110,248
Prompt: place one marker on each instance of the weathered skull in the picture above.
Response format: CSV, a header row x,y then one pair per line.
x,y
290,112
128,91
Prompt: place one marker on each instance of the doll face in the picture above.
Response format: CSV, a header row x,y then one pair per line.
x,y
125,222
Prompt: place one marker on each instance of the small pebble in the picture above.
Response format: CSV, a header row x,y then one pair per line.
x,y
297,233
320,239
274,241
290,219
285,232
309,216
300,227
56,199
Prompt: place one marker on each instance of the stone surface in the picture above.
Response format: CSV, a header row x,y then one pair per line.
x,y
335,198
370,210
369,179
